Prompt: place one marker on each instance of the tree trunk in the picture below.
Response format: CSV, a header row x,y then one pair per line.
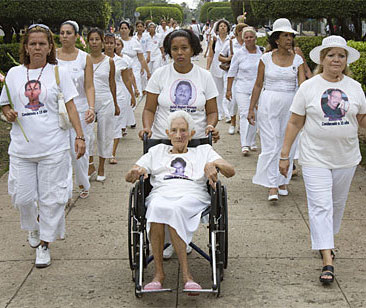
x,y
8,30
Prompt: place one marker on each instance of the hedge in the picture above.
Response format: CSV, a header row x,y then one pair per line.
x,y
158,13
217,13
166,5
205,8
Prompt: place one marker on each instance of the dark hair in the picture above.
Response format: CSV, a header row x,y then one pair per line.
x,y
220,22
32,81
71,24
178,160
24,56
139,22
193,41
96,30
129,26
184,83
273,38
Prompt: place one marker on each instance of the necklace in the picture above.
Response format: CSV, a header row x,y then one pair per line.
x,y
35,83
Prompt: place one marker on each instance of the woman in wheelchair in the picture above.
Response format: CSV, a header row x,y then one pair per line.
x,y
179,178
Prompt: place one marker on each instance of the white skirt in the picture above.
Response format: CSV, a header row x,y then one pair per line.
x,y
181,213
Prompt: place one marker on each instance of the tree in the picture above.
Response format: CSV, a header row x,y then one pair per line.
x,y
158,13
207,6
217,13
19,13
240,6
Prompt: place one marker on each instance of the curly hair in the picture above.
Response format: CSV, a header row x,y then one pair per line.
x,y
23,54
273,38
220,22
193,41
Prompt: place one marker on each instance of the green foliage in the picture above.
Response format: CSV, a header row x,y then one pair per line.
x,y
360,46
217,13
307,43
207,6
158,13
358,69
5,62
166,5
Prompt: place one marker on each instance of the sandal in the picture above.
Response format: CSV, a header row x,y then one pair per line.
x,y
327,270
113,160
191,285
331,252
83,194
153,286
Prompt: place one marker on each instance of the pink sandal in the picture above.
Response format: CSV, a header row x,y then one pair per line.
x,y
191,285
153,286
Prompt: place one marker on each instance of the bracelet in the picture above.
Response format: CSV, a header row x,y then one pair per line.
x,y
284,158
92,108
80,138
209,125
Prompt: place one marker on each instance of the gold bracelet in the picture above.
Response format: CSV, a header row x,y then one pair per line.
x,y
80,138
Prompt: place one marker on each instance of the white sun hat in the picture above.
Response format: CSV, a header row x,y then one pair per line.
x,y
282,25
334,41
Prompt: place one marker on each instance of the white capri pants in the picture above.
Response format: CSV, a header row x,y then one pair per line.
x,y
327,192
221,106
41,180
105,131
81,165
247,131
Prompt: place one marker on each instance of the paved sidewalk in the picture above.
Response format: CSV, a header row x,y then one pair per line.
x,y
270,261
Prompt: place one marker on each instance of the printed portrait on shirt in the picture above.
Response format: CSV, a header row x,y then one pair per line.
x,y
183,92
334,104
32,91
179,166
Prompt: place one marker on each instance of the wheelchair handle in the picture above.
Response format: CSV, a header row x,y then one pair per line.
x,y
209,138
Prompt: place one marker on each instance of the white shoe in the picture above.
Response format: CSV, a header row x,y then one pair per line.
x,y
245,151
168,252
43,257
33,239
101,178
283,192
254,148
189,249
272,197
228,120
232,130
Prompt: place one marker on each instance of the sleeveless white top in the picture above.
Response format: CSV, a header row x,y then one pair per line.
x,y
215,69
76,68
278,78
101,81
121,63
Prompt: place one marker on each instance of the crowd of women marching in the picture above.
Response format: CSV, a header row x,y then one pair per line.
x,y
272,90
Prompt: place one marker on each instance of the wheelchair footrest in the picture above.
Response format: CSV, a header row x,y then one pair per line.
x,y
200,290
155,291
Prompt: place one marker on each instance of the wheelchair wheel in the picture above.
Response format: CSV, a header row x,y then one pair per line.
x,y
225,226
130,231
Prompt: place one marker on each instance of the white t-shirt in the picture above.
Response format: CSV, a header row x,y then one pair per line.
x,y
39,118
226,51
143,41
131,48
177,175
188,92
196,29
329,138
121,64
153,45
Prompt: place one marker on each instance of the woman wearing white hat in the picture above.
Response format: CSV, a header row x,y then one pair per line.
x,y
329,108
279,73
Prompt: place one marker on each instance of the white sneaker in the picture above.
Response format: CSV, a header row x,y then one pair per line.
x,y
43,257
245,151
232,130
189,249
168,252
33,239
228,120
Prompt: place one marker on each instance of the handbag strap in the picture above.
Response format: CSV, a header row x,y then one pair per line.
x,y
57,75
231,47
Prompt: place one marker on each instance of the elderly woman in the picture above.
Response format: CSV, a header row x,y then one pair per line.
x,y
279,73
165,90
179,195
241,78
329,108
39,169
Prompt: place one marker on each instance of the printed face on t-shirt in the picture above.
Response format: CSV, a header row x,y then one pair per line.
x,y
32,92
334,104
183,93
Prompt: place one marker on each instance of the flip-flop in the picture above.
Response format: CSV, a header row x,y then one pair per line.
x,y
153,286
113,160
84,194
191,285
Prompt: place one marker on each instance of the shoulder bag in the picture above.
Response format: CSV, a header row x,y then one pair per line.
x,y
226,65
63,117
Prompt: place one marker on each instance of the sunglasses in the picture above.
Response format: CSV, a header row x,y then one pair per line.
x,y
39,25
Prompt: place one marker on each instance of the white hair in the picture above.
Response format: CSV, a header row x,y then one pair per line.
x,y
181,114
249,29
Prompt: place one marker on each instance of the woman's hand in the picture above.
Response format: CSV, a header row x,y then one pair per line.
x,y
9,113
148,74
134,174
214,131
211,174
89,116
116,110
79,148
133,101
137,93
228,95
284,166
143,131
251,117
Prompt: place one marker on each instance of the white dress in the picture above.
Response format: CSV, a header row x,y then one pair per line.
x,y
279,87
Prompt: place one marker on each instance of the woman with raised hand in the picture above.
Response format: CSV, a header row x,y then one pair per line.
x,y
241,78
125,95
279,73
329,108
39,169
218,38
80,67
106,106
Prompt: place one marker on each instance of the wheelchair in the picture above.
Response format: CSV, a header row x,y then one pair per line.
x,y
138,244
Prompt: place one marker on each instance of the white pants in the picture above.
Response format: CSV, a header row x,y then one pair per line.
x,y
137,73
41,180
154,65
222,108
81,165
105,136
327,191
233,104
247,131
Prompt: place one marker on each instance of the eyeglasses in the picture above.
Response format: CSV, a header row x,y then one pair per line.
x,y
39,25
